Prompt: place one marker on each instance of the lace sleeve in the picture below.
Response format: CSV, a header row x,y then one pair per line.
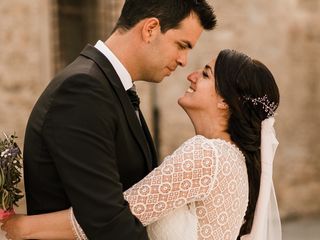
x,y
185,176
78,233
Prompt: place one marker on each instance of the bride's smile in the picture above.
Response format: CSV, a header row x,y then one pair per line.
x,y
190,90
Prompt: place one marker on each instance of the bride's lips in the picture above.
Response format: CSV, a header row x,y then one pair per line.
x,y
190,90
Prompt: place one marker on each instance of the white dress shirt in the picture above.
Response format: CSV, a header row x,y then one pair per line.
x,y
117,65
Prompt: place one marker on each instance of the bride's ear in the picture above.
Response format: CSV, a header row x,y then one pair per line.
x,y
222,104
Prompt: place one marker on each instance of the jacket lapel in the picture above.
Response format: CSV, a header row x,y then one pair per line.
x,y
111,75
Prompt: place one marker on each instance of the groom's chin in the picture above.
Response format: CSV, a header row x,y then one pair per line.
x,y
159,80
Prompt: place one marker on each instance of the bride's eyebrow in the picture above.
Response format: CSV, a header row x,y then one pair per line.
x,y
206,67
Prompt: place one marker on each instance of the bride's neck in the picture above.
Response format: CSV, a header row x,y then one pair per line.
x,y
211,127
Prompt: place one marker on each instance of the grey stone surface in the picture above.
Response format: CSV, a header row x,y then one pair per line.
x,y
302,229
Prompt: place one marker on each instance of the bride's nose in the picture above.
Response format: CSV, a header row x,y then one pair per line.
x,y
192,77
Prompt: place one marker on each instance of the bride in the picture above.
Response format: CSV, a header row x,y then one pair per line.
x,y
216,185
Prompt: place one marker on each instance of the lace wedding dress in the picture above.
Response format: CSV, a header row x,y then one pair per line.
x,y
198,192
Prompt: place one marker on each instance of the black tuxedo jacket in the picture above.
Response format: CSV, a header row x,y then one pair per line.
x,y
84,146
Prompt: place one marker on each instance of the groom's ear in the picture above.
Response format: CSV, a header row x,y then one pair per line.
x,y
150,28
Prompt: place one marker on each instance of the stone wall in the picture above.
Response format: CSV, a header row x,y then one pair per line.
x,y
298,160
24,60
285,35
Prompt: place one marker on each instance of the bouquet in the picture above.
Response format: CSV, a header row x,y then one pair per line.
x,y
10,175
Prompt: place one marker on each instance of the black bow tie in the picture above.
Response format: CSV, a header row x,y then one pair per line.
x,y
134,98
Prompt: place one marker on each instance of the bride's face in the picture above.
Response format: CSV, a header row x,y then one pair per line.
x,y
201,94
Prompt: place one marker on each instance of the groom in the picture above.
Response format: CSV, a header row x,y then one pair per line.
x,y
85,144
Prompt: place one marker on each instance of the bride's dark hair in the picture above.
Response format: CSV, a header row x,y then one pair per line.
x,y
238,80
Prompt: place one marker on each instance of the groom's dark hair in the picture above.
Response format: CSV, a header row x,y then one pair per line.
x,y
169,12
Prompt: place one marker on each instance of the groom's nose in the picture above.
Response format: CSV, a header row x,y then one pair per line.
x,y
183,58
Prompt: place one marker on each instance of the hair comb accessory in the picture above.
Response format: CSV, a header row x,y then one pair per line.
x,y
268,107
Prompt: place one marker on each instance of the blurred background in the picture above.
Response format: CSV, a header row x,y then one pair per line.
x,y
39,37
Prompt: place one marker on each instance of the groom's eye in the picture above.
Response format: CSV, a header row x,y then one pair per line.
x,y
182,46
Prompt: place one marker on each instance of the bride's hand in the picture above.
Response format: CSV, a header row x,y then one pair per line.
x,y
14,227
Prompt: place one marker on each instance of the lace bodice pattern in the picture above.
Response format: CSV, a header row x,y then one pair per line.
x,y
208,176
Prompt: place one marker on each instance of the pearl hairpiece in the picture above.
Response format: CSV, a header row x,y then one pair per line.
x,y
269,107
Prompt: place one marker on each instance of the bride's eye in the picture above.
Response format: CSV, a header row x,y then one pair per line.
x,y
205,74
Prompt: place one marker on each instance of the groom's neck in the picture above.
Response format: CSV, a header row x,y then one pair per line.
x,y
124,46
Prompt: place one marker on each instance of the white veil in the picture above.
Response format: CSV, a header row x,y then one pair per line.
x,y
266,222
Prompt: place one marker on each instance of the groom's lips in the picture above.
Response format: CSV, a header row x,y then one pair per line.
x,y
172,69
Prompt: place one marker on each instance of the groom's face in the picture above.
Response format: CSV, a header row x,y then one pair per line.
x,y
169,50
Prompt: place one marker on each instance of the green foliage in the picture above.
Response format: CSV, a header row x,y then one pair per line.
x,y
10,172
